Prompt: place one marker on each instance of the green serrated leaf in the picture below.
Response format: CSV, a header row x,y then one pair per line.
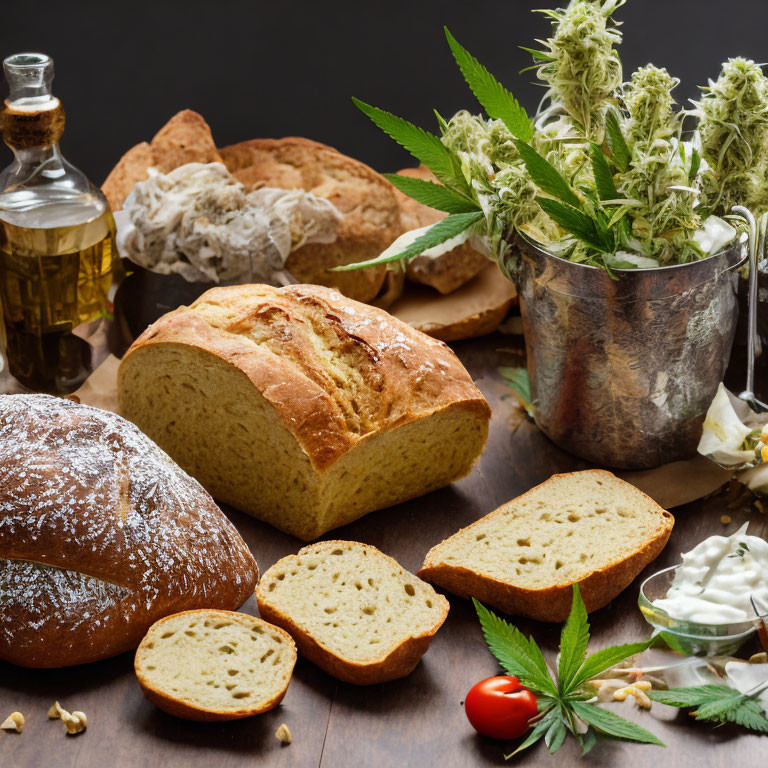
x,y
575,222
497,101
537,55
573,643
750,715
695,165
693,696
423,145
546,176
537,733
449,227
616,140
587,740
607,722
606,189
555,735
605,659
433,195
519,656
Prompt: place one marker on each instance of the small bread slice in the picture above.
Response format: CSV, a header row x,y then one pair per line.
x,y
588,528
211,665
353,611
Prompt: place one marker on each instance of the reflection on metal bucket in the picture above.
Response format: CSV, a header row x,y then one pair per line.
x,y
623,370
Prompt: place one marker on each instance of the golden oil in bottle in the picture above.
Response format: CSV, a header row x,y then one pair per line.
x,y
57,249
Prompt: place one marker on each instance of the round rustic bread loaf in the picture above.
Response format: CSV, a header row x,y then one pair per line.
x,y
101,534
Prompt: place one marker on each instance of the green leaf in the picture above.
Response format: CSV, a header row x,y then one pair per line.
x,y
587,740
546,176
520,384
438,233
537,55
555,735
694,695
433,195
749,714
424,146
497,101
616,141
607,722
539,730
519,656
573,643
575,222
695,165
605,659
441,121
606,189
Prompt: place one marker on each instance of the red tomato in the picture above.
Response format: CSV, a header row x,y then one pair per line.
x,y
500,707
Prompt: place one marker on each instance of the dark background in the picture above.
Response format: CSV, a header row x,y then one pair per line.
x,y
287,67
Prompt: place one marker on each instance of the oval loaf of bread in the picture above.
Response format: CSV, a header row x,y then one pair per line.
x,y
352,610
214,665
101,534
302,407
588,528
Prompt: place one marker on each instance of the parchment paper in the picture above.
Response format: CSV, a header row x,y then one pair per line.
x,y
671,485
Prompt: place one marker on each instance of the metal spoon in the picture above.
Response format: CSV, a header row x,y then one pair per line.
x,y
756,245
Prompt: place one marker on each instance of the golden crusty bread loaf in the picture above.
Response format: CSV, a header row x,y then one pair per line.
x,y
185,138
101,535
588,528
302,407
445,273
210,665
371,216
352,610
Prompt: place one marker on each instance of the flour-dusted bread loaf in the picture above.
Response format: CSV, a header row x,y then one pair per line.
x,y
302,407
185,138
212,665
352,610
587,528
101,534
370,213
445,273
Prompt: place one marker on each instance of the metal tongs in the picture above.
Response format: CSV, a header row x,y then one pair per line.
x,y
756,246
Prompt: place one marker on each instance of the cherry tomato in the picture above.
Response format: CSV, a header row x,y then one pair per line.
x,y
500,707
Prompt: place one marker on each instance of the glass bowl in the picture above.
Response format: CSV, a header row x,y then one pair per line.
x,y
690,637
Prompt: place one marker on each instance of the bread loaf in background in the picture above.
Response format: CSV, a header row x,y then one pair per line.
x,y
302,407
101,535
366,200
444,273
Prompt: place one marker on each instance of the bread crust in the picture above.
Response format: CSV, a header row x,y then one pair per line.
x,y
178,708
287,371
366,200
551,604
400,662
101,534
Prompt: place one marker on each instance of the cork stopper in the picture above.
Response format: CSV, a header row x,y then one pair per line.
x,y
32,116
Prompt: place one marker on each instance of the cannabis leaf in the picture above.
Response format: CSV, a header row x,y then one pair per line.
x,y
497,101
616,141
546,176
575,222
717,703
606,189
423,145
433,195
562,702
447,228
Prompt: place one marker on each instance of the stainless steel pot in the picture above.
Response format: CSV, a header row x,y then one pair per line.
x,y
623,369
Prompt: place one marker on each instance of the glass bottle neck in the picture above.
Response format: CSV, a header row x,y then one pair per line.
x,y
44,163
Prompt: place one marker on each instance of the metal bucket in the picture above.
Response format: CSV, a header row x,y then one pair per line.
x,y
623,369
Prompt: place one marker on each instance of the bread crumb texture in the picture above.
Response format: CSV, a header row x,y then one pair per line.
x,y
352,608
302,407
215,665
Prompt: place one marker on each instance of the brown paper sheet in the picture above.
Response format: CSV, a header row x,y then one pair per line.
x,y
671,485
475,309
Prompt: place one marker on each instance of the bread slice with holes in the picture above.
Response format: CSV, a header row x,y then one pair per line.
x,y
352,610
588,528
213,665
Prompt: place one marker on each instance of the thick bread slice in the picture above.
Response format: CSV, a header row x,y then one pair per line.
x,y
586,527
371,216
353,611
445,273
214,665
302,407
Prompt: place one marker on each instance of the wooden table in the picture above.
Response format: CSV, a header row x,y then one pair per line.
x,y
418,721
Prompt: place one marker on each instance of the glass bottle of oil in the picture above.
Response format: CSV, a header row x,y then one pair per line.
x,y
57,251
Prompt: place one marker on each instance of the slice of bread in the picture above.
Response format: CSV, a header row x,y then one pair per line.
x,y
587,528
353,611
213,665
